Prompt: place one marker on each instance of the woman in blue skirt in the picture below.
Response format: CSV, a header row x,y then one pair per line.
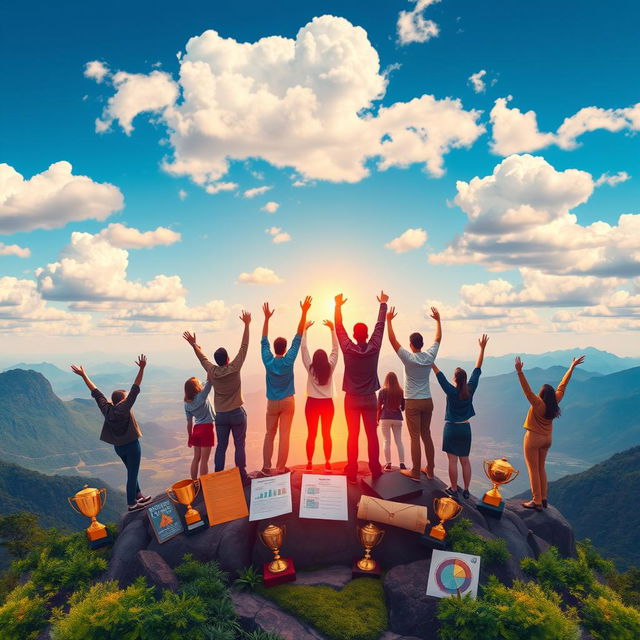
x,y
456,438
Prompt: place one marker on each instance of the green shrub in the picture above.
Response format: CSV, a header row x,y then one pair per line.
x,y
104,611
522,612
607,618
463,540
587,553
627,585
248,580
23,615
357,612
21,534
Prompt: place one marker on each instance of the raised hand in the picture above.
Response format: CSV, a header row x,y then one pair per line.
x,y
142,361
305,304
78,370
519,364
577,361
267,312
190,338
340,300
328,323
245,317
483,340
308,324
383,297
435,314
391,314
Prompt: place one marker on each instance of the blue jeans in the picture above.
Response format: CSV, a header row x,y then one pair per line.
x,y
231,422
130,454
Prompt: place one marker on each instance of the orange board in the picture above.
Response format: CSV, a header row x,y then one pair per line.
x,y
224,496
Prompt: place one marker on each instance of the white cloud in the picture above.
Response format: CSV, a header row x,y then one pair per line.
x,y
256,191
612,180
517,132
311,104
137,93
270,207
14,250
279,236
53,198
260,275
123,237
476,81
409,240
520,216
218,187
182,194
96,70
214,312
412,26
91,269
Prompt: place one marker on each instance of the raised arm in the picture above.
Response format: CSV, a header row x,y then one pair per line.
x,y
207,365
79,370
238,361
267,316
483,344
531,397
141,362
343,338
304,350
447,387
567,376
333,356
391,314
435,314
378,331
305,305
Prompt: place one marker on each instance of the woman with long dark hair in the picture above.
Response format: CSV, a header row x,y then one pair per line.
x,y
539,426
319,406
198,410
390,408
456,437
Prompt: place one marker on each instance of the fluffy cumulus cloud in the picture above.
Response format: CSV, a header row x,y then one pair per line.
x,y
14,250
96,70
270,207
219,187
612,180
412,26
409,240
517,132
278,236
312,103
90,268
260,275
214,313
52,199
520,216
123,237
256,191
476,81
22,309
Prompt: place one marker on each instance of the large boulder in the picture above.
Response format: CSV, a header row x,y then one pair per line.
x,y
157,571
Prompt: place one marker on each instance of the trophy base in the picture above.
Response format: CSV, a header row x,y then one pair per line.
x,y
190,529
100,542
273,579
433,543
391,486
493,511
357,572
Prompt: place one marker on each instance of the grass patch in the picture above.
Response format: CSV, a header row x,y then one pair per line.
x,y
357,612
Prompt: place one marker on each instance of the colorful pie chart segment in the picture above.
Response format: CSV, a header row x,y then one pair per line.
x,y
453,576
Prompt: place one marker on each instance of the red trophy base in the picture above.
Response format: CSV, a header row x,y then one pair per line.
x,y
272,579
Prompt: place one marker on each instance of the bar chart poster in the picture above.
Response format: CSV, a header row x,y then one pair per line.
x,y
270,497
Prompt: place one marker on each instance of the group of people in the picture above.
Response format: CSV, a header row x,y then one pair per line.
x,y
365,403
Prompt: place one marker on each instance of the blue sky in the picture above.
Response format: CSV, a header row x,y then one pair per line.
x,y
554,59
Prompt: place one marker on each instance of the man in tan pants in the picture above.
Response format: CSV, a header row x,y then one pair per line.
x,y
280,388
417,394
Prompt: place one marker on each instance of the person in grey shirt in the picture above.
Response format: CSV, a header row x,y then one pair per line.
x,y
417,394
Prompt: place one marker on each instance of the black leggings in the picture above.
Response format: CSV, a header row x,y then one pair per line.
x,y
130,454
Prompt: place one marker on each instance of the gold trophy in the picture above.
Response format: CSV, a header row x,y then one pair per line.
x,y
499,472
370,536
184,493
446,509
279,570
89,502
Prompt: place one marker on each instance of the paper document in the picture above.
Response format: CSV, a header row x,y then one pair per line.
x,y
323,497
270,497
224,496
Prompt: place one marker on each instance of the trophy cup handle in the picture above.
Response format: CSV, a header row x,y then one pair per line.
x,y
171,495
513,477
485,466
72,505
197,485
103,498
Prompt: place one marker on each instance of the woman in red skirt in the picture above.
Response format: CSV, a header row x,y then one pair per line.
x,y
200,419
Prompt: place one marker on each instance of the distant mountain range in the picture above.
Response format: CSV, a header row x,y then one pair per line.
x,y
600,505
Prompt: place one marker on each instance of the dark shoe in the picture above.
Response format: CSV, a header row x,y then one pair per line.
x,y
427,473
452,492
402,465
387,467
545,504
407,472
143,499
465,494
135,507
532,505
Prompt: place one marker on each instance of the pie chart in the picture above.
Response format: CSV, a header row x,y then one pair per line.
x,y
453,576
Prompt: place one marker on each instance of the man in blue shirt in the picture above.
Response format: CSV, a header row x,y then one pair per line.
x,y
280,389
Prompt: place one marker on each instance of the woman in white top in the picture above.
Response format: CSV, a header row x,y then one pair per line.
x,y
319,405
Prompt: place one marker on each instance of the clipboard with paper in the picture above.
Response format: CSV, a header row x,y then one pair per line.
x,y
398,514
